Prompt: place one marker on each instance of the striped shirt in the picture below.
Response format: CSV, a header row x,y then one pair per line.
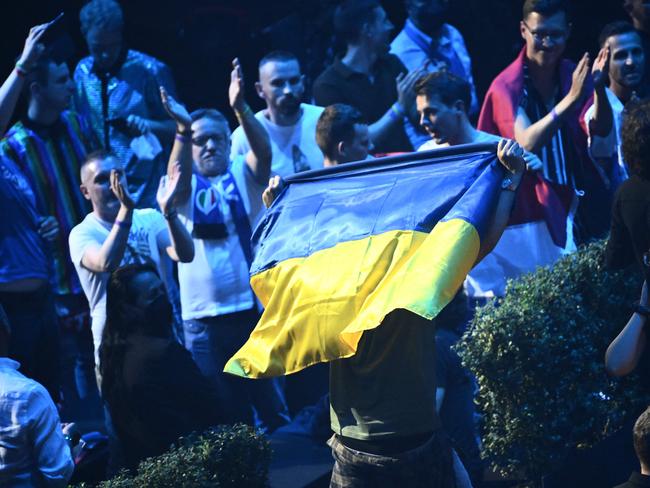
x,y
50,157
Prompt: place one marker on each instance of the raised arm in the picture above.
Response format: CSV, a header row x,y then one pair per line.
x,y
260,155
511,156
394,116
177,241
107,257
624,352
533,136
182,149
13,85
602,120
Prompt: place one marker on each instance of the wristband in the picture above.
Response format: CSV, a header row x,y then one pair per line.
x,y
122,224
170,214
554,114
642,310
396,111
241,113
183,137
20,70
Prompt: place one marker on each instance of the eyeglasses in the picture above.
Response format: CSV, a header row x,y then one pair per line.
x,y
554,36
203,140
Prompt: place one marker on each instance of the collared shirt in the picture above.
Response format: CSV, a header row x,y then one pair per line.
x,y
50,158
371,95
33,451
449,52
131,88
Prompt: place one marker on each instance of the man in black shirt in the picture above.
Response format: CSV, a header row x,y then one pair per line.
x,y
368,77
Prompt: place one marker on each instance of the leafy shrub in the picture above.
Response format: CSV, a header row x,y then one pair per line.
x,y
538,355
223,457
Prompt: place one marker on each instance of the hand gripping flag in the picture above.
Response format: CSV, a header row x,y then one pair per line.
x,y
341,248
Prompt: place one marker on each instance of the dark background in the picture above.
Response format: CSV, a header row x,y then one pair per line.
x,y
199,38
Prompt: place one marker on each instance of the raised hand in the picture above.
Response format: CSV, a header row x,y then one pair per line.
x,y
236,88
270,194
511,156
578,79
33,48
121,191
405,84
176,111
601,67
48,228
166,195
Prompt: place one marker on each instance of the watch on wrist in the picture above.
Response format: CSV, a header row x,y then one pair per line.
x,y
509,184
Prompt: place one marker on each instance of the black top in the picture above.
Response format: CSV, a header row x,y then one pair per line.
x,y
457,410
630,229
637,480
164,397
372,97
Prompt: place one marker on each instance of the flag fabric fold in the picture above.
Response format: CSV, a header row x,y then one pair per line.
x,y
341,248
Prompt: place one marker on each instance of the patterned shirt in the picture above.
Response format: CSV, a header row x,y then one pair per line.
x,y
107,99
50,157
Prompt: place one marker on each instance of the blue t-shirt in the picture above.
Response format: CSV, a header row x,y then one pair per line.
x,y
23,252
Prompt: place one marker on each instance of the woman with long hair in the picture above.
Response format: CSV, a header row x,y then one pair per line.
x,y
154,391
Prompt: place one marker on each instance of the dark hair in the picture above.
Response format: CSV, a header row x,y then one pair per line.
x,y
334,125
209,113
102,14
40,72
635,137
119,291
614,29
641,435
447,87
351,16
278,56
545,8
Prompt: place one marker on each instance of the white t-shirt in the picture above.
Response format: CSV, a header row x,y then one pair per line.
x,y
142,246
606,147
216,282
294,147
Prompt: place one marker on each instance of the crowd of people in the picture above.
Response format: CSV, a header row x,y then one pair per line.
x,y
127,218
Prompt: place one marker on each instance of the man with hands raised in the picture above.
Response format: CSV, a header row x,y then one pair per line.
x,y
116,234
218,203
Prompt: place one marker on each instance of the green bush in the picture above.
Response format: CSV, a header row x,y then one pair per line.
x,y
223,457
538,356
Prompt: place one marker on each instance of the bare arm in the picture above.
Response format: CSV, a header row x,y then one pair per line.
x,y
107,257
624,352
511,157
13,85
394,116
533,136
182,149
603,119
260,155
178,242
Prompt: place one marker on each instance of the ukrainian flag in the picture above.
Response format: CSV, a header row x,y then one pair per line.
x,y
343,247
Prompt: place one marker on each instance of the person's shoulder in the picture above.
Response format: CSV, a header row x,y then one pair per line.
x,y
88,225
84,66
144,61
452,32
429,145
311,112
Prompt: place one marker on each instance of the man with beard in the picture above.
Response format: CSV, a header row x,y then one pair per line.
x,y
539,100
219,203
624,69
290,124
367,77
428,41
117,91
